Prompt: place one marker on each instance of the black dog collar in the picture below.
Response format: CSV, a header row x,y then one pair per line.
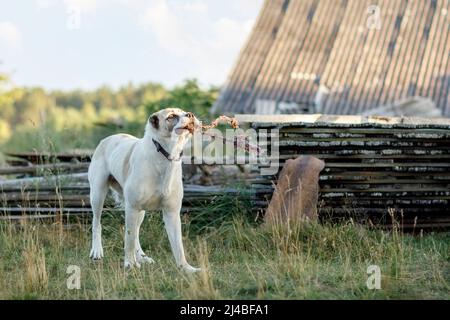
x,y
163,151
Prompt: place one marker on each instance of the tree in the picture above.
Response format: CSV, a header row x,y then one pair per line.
x,y
8,95
188,96
68,119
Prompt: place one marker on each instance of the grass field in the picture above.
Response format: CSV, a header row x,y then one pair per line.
x,y
242,261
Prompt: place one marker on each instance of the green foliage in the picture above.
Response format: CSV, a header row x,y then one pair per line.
x,y
8,95
60,120
189,96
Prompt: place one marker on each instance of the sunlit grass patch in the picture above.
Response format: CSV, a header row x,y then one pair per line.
x,y
241,261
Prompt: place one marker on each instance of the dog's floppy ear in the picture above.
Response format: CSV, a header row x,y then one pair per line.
x,y
154,121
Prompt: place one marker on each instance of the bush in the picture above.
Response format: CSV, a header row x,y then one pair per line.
x,y
188,96
36,119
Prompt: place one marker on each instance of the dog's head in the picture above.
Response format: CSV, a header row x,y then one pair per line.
x,y
173,123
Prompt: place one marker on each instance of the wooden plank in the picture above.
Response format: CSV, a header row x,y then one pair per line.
x,y
372,156
81,188
35,169
340,121
18,183
366,131
36,157
38,210
40,216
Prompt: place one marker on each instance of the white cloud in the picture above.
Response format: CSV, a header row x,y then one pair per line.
x,y
46,3
87,6
191,6
206,35
10,35
186,29
245,5
167,28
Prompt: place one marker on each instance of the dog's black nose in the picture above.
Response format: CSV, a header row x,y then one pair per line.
x,y
189,115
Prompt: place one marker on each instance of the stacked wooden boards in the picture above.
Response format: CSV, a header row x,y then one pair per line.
x,y
37,185
376,167
43,186
71,200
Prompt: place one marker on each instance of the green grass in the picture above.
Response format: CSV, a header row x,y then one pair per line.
x,y
242,261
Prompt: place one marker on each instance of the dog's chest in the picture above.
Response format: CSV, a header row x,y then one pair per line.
x,y
155,189
153,202
157,199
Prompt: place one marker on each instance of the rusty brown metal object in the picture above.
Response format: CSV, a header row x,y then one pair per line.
x,y
296,193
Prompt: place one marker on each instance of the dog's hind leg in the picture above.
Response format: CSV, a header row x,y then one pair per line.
x,y
141,257
99,188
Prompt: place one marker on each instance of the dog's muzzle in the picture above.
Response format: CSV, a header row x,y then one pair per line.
x,y
191,125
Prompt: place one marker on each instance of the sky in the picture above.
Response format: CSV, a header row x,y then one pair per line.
x,y
84,44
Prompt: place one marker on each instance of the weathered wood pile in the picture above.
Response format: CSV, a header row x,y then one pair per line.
x,y
44,185
375,167
49,186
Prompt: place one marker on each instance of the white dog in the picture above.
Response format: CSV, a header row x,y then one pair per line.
x,y
146,174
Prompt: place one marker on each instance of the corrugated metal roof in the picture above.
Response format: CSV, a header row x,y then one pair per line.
x,y
298,48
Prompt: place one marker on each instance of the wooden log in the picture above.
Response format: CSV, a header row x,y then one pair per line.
x,y
39,217
36,157
36,169
73,188
40,210
41,197
21,183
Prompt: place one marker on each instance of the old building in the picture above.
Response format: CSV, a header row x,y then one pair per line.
x,y
343,57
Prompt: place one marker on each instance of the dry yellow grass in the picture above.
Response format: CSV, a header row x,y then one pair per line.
x,y
241,261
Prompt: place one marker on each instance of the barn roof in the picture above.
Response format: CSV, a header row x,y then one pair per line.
x,y
330,57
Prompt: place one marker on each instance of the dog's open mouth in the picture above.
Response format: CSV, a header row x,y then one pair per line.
x,y
188,128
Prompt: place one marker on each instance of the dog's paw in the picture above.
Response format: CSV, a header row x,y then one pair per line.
x,y
96,253
128,265
190,269
144,259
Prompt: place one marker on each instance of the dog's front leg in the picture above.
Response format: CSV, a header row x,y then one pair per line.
x,y
131,234
140,254
172,224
